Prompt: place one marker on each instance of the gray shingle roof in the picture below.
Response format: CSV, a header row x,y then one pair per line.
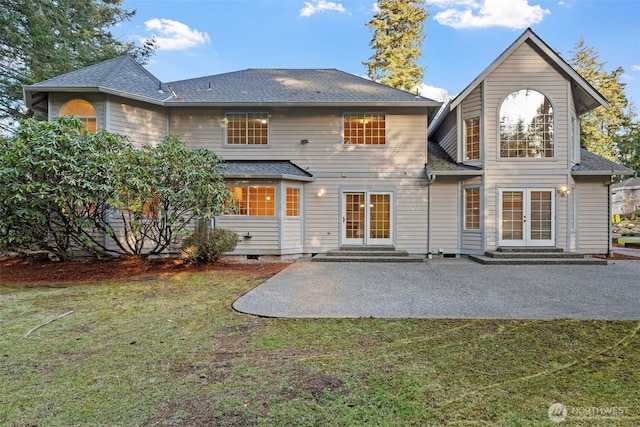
x,y
125,77
630,183
267,169
121,75
592,164
440,163
256,86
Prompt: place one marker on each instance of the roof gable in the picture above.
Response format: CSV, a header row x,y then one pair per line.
x,y
587,97
121,75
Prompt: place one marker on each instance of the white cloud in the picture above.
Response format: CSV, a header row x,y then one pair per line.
x,y
321,6
174,35
434,92
515,14
635,67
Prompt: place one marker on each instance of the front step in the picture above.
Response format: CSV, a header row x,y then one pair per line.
x,y
534,256
367,254
482,259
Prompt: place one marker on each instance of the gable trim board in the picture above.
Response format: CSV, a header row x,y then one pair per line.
x,y
407,192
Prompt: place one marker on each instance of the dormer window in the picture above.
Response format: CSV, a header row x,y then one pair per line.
x,y
526,125
83,110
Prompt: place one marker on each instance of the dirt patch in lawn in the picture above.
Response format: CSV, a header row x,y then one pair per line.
x,y
26,272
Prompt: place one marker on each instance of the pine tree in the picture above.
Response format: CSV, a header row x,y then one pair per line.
x,y
604,131
398,34
41,39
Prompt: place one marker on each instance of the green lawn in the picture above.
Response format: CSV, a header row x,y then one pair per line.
x,y
171,351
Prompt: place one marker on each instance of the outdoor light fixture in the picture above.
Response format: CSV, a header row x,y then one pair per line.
x,y
304,141
321,192
564,190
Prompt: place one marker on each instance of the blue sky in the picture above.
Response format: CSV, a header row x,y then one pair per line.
x,y
203,37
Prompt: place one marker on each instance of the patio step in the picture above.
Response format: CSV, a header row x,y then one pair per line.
x,y
367,254
534,256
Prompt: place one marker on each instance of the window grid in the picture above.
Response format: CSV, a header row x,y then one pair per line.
x,y
512,215
293,201
472,208
365,129
472,134
84,111
247,128
380,216
526,126
541,220
355,214
253,201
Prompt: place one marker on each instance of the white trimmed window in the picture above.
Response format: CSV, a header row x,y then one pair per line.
x,y
472,138
247,128
83,110
364,128
472,208
293,201
526,125
253,200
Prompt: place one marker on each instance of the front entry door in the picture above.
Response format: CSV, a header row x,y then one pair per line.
x,y
527,217
367,218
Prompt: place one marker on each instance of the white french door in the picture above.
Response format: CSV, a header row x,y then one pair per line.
x,y
527,217
367,218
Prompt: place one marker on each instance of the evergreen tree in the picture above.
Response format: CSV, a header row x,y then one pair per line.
x,y
604,131
41,39
398,34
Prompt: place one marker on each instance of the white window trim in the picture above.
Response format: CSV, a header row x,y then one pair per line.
x,y
225,130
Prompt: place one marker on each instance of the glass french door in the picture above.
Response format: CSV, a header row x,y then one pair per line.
x,y
527,217
367,218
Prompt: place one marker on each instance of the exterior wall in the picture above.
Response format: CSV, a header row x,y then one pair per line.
x,y
525,69
470,107
447,134
445,214
141,123
325,153
396,167
593,215
99,102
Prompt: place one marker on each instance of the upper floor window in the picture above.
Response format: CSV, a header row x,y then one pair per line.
x,y
254,200
365,128
526,125
472,138
83,110
247,128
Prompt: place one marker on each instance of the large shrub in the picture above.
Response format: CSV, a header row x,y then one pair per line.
x,y
61,187
208,245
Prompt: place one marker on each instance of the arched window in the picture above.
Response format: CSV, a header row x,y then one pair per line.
x,y
83,110
526,125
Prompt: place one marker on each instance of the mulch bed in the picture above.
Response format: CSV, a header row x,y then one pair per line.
x,y
27,272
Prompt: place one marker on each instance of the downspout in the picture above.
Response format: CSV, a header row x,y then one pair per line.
x,y
609,245
430,179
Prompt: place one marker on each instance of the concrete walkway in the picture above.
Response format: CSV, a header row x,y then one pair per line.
x,y
448,288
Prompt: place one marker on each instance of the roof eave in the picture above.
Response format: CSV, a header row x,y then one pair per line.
x,y
284,177
603,173
457,172
84,89
417,104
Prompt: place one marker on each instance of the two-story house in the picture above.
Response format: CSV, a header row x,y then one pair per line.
x,y
321,159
